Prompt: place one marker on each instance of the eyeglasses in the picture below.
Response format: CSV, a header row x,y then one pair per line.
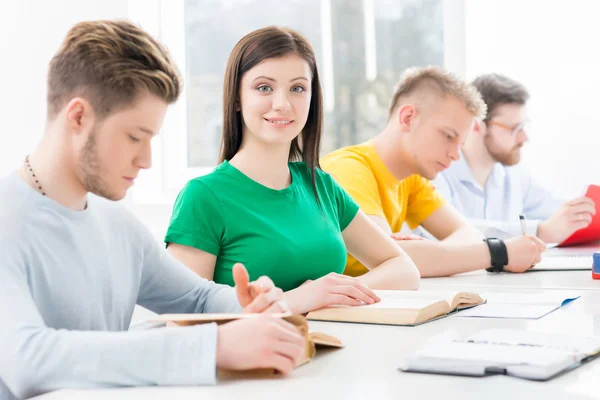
x,y
514,130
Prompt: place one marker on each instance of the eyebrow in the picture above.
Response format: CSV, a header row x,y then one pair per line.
x,y
273,80
451,130
146,130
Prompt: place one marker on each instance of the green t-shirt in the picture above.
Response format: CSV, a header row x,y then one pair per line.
x,y
282,234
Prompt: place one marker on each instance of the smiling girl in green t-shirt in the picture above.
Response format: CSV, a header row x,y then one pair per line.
x,y
287,220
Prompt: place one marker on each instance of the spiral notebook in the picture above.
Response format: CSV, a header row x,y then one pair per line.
x,y
523,354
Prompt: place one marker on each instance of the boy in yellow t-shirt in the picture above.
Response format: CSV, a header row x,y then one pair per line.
x,y
430,116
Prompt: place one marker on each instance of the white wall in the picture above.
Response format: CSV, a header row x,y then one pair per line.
x,y
30,33
552,49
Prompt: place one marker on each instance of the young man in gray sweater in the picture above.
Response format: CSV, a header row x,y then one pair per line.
x,y
74,263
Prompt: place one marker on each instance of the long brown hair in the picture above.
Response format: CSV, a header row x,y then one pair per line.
x,y
255,47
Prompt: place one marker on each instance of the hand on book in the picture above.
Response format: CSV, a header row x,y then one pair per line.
x,y
260,296
568,219
264,342
332,289
523,252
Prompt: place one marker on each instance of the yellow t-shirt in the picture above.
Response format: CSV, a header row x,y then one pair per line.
x,y
362,173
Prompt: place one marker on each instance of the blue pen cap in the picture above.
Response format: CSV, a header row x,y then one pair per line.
x,y
596,265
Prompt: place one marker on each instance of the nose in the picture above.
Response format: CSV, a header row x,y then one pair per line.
x,y
280,100
144,158
522,136
454,152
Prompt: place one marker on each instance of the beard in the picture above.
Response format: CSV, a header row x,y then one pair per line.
x,y
90,169
506,158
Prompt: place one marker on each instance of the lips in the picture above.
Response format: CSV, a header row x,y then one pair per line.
x,y
279,121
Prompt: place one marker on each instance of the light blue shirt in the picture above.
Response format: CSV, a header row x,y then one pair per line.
x,y
69,284
495,208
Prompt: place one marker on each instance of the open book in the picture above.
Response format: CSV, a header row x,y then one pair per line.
x,y
313,339
398,307
519,353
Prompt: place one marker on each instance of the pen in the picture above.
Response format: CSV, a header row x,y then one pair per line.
x,y
523,226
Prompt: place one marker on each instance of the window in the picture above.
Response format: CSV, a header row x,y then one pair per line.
x,y
362,47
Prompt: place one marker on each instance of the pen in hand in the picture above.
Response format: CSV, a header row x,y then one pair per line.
x,y
523,225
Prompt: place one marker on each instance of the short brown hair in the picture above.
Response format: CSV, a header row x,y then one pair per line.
x,y
497,90
439,80
109,63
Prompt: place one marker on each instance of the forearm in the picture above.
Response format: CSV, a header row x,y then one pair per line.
x,y
445,259
170,287
38,359
464,235
398,273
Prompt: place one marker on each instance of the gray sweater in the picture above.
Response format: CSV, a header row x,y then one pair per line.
x,y
69,281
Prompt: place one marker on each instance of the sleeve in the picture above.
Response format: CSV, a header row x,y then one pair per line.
x,y
35,358
423,201
197,220
347,208
358,181
168,286
538,202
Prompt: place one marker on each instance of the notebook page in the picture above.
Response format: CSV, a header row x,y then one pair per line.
x,y
492,354
574,263
572,251
512,337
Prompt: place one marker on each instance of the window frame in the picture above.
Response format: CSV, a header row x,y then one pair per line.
x,y
165,21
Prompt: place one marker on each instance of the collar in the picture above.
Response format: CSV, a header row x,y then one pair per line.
x,y
389,179
464,174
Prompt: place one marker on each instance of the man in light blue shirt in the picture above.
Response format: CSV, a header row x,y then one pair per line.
x,y
73,265
488,186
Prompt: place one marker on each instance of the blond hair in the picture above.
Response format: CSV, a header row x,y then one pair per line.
x,y
109,63
440,81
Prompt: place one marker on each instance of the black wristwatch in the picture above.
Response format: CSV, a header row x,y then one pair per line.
x,y
498,254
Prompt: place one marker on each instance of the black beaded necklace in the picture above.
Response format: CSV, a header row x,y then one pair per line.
x,y
35,179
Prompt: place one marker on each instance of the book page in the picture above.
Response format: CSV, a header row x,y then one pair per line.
x,y
410,299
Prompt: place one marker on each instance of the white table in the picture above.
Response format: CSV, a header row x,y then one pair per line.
x,y
367,367
580,280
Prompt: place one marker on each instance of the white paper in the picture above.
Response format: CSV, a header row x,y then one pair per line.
x,y
492,310
570,343
564,263
553,298
516,305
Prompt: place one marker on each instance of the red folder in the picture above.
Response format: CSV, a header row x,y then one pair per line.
x,y
592,232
